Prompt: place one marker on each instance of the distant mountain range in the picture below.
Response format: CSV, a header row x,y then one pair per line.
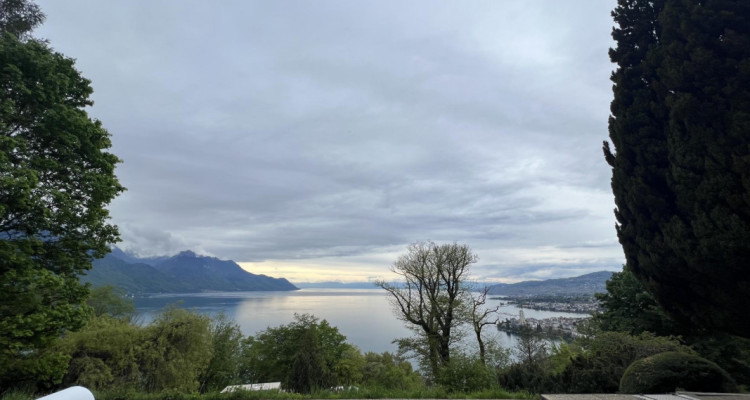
x,y
336,285
185,272
585,284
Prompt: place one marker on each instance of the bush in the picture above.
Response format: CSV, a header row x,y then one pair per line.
x,y
606,356
104,354
465,374
523,377
386,370
666,372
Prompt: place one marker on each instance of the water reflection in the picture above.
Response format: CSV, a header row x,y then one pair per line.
x,y
364,316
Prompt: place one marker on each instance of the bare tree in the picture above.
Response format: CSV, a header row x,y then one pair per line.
x,y
430,296
481,317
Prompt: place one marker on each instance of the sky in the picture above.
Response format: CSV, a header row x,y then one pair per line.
x,y
315,140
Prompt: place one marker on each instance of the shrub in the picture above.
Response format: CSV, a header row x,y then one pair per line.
x,y
606,356
665,372
465,374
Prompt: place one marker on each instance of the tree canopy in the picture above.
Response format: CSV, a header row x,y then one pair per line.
x,y
430,298
56,178
680,127
304,355
19,17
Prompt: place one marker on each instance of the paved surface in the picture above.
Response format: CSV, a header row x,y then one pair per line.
x,y
675,396
588,397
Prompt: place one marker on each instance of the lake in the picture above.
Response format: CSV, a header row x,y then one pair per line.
x,y
364,316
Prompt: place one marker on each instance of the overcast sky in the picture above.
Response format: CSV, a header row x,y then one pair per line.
x,y
316,139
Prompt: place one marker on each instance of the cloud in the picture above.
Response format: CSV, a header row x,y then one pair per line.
x,y
267,131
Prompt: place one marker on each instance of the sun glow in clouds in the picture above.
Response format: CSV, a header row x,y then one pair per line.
x,y
339,269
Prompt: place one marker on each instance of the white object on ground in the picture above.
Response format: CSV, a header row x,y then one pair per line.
x,y
71,393
254,386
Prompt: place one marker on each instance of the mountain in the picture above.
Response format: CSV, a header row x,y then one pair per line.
x,y
127,257
585,284
186,272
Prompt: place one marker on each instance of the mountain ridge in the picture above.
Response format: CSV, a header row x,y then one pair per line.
x,y
594,282
182,273
591,283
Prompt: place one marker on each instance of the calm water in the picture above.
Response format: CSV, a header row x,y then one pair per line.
x,y
364,316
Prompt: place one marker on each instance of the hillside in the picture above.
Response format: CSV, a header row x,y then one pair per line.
x,y
585,284
182,273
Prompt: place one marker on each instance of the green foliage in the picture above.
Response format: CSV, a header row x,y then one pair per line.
x,y
532,378
308,368
589,365
19,17
173,352
532,371
363,393
55,180
604,358
667,372
224,367
349,370
302,355
531,347
629,307
176,351
679,174
431,299
105,354
732,353
109,300
17,395
561,356
465,374
389,371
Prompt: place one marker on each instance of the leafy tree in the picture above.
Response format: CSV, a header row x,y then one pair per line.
x,y
532,348
629,307
467,374
305,350
389,371
176,351
308,368
681,165
19,17
429,298
180,351
224,367
109,300
349,369
56,179
105,354
532,370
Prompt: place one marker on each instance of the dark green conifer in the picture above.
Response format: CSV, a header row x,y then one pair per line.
x,y
680,127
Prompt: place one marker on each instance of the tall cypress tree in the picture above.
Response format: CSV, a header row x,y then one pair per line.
x,y
680,127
